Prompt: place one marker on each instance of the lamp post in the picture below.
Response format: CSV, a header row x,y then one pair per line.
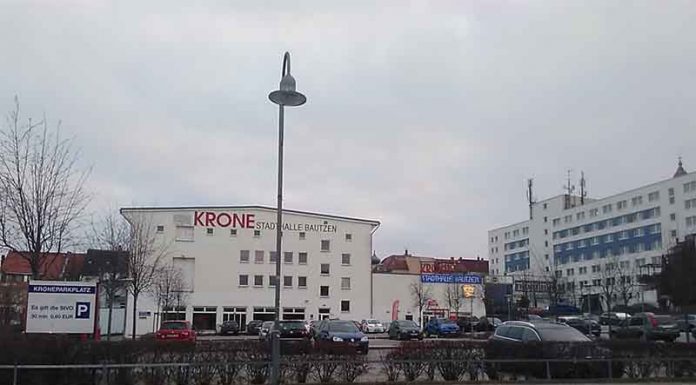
x,y
285,96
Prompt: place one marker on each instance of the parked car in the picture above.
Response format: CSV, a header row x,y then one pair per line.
x,y
253,327
293,329
583,325
176,331
648,326
441,327
514,340
487,324
686,323
338,335
467,323
404,330
265,329
229,327
613,318
372,326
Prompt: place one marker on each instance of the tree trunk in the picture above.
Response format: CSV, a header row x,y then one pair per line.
x,y
135,311
108,323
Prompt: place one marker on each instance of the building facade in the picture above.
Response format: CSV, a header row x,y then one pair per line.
x,y
396,276
596,248
226,256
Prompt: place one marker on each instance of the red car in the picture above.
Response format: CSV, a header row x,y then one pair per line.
x,y
176,331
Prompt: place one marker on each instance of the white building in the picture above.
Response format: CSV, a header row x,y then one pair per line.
x,y
575,239
227,256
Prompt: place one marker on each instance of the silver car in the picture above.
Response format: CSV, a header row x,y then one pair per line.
x,y
265,329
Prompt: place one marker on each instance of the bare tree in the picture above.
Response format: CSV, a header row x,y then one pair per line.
x,y
41,190
452,297
169,289
145,253
420,294
608,281
626,285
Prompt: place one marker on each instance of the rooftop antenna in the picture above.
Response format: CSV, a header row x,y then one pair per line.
x,y
530,196
569,189
583,190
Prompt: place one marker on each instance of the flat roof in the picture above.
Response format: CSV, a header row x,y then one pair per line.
x,y
249,207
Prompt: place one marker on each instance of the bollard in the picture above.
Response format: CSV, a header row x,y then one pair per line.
x,y
548,370
609,367
14,375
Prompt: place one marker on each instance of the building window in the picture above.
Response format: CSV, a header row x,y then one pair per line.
x,y
580,216
635,201
606,209
559,273
653,196
257,233
233,232
570,272
345,306
349,237
545,206
556,221
546,219
287,281
272,257
184,233
323,291
345,283
243,280
325,245
303,235
258,280
546,243
691,221
690,203
272,279
671,200
258,256
689,187
594,213
287,257
160,229
302,258
244,256
209,231
302,282
546,257
345,259
620,205
674,233
525,230
324,269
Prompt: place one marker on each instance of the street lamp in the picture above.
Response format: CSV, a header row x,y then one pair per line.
x,y
285,96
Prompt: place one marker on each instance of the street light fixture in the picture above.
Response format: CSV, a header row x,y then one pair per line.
x,y
285,96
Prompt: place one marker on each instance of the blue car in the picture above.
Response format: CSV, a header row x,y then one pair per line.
x,y
441,328
340,336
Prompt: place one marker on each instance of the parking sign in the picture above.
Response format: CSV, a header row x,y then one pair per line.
x,y
61,307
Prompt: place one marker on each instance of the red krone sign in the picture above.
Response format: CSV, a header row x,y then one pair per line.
x,y
212,219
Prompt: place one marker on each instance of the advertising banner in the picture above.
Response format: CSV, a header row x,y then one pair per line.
x,y
451,278
61,307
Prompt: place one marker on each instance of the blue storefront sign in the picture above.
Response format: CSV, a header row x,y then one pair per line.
x,y
451,278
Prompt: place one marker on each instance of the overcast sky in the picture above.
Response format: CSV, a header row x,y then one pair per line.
x,y
427,117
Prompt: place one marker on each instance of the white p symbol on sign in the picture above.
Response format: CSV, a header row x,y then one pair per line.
x,y
82,310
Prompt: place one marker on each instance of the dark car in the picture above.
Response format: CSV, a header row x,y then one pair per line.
x,y
404,330
515,340
314,328
229,327
468,323
583,325
253,327
441,327
340,336
487,324
293,329
648,326
176,331
613,318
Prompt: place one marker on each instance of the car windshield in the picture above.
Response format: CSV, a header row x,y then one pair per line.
x,y
268,324
561,334
408,324
343,327
292,325
372,321
174,326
